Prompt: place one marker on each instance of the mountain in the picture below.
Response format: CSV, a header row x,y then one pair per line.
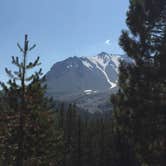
x,y
86,81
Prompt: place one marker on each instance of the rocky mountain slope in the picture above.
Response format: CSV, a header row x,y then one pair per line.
x,y
86,81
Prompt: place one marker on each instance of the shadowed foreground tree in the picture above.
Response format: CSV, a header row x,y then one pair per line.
x,y
140,104
29,134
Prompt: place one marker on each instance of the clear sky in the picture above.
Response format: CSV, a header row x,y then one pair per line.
x,y
60,28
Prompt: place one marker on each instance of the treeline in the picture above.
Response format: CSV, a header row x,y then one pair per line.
x,y
34,133
87,139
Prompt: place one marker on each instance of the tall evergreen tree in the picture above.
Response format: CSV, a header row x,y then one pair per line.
x,y
139,109
30,138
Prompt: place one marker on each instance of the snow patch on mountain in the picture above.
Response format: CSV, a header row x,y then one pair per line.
x,y
69,66
101,61
116,59
88,92
87,64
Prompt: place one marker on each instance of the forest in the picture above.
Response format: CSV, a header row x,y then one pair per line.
x,y
33,132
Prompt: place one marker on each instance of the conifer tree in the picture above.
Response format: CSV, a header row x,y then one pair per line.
x,y
138,110
31,137
79,142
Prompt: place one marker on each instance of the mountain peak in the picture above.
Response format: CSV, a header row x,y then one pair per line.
x,y
103,57
103,54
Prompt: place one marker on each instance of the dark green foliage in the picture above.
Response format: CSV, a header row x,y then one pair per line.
x,y
28,127
88,139
140,105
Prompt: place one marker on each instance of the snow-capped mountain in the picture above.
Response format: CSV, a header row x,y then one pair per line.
x,y
83,78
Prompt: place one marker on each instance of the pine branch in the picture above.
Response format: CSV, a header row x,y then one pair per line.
x,y
18,74
32,47
30,78
3,85
9,73
35,76
15,61
13,84
33,64
20,48
40,72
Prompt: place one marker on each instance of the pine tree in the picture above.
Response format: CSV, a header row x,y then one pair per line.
x,y
31,137
138,110
79,142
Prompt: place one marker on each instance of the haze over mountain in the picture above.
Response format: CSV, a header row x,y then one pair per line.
x,y
87,81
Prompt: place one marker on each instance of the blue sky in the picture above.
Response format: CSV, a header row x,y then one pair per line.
x,y
60,28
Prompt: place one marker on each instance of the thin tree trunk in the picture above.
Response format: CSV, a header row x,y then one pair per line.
x,y
20,155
